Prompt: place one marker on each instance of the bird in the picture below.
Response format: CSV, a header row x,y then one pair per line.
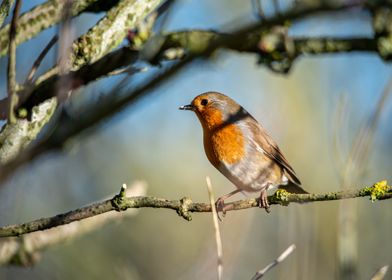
x,y
241,149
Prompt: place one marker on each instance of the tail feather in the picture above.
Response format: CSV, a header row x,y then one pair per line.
x,y
293,188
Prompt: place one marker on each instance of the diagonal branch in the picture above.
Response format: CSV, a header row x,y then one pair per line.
x,y
46,15
26,130
260,274
185,206
40,58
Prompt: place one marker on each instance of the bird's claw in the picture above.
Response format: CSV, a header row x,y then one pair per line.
x,y
263,201
220,206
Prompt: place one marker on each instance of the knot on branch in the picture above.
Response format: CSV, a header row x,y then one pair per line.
x,y
277,50
377,191
118,201
280,197
183,209
382,25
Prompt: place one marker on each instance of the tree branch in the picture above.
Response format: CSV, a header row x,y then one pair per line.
x,y
194,42
185,206
25,251
15,137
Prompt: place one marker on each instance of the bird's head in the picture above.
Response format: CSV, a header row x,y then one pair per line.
x,y
213,109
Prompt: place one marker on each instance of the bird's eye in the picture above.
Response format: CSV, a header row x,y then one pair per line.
x,y
204,102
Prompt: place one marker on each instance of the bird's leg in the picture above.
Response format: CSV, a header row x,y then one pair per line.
x,y
263,202
220,202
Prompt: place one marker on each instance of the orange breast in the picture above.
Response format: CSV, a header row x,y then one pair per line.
x,y
229,144
221,142
225,144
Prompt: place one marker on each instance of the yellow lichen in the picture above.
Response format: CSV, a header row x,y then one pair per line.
x,y
281,197
378,190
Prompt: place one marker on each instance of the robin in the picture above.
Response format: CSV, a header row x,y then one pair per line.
x,y
241,149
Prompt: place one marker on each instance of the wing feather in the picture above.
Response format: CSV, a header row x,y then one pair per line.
x,y
271,149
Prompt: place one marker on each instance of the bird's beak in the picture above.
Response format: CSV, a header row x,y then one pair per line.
x,y
187,107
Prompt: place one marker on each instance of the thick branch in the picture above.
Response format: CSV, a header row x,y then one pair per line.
x,y
194,42
123,16
46,15
185,206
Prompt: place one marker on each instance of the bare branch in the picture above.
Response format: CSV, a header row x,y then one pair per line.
x,y
216,227
185,206
278,260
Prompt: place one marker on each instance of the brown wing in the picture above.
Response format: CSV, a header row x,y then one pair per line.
x,y
272,150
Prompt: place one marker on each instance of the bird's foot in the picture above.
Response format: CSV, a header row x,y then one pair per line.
x,y
263,201
220,206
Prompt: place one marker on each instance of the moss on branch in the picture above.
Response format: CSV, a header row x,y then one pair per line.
x,y
99,40
185,206
39,18
110,31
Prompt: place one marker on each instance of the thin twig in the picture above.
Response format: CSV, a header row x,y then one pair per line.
x,y
185,206
130,70
11,72
278,260
380,274
40,58
64,52
216,227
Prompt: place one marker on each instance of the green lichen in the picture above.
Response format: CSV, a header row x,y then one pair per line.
x,y
280,197
22,113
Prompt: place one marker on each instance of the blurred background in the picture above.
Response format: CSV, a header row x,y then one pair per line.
x,y
155,142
